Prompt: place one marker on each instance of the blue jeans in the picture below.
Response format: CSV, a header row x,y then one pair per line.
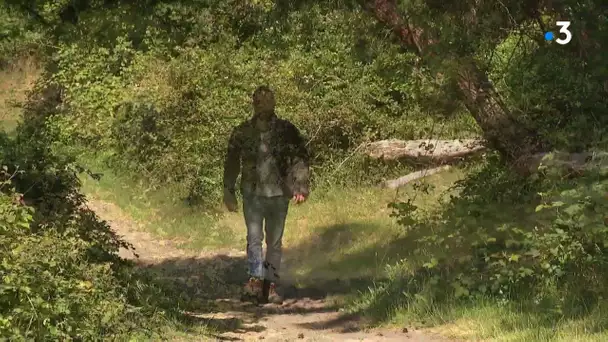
x,y
265,214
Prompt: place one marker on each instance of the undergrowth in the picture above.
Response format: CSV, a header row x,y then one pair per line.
x,y
531,249
61,276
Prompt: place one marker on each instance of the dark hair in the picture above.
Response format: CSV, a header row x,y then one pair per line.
x,y
262,90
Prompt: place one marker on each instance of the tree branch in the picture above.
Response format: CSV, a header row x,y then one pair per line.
x,y
401,181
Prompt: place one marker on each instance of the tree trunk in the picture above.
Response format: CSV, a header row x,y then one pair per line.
x,y
500,129
513,140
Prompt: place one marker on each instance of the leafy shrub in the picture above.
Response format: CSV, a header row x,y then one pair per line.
x,y
61,277
505,236
17,36
163,111
50,290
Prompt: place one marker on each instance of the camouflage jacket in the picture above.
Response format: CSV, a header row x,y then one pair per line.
x,y
287,147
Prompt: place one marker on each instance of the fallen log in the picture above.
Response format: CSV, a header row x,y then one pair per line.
x,y
401,181
441,152
437,151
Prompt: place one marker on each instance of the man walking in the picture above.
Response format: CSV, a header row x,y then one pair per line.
x,y
272,159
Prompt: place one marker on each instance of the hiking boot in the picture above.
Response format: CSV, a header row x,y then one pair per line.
x,y
252,291
273,295
270,294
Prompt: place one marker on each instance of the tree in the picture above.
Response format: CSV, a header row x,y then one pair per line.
x,y
499,126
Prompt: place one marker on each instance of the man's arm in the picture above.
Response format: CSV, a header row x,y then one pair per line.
x,y
300,162
232,163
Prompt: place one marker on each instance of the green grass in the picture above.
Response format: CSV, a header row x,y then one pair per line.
x,y
488,319
337,232
478,319
348,234
163,212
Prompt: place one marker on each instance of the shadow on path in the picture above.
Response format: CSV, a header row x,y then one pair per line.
x,y
208,289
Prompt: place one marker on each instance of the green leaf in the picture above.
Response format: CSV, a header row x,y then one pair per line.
x,y
431,264
574,209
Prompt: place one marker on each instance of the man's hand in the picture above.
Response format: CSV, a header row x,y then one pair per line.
x,y
299,198
230,201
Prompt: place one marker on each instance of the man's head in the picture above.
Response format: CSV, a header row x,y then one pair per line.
x,y
263,101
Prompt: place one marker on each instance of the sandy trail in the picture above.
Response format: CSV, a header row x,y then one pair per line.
x,y
304,316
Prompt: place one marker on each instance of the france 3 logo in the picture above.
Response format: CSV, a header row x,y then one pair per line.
x,y
563,30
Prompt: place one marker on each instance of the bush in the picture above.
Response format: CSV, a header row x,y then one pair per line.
x,y
163,111
51,290
61,277
513,238
18,38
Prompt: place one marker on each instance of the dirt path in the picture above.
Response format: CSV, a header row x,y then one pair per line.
x,y
304,316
